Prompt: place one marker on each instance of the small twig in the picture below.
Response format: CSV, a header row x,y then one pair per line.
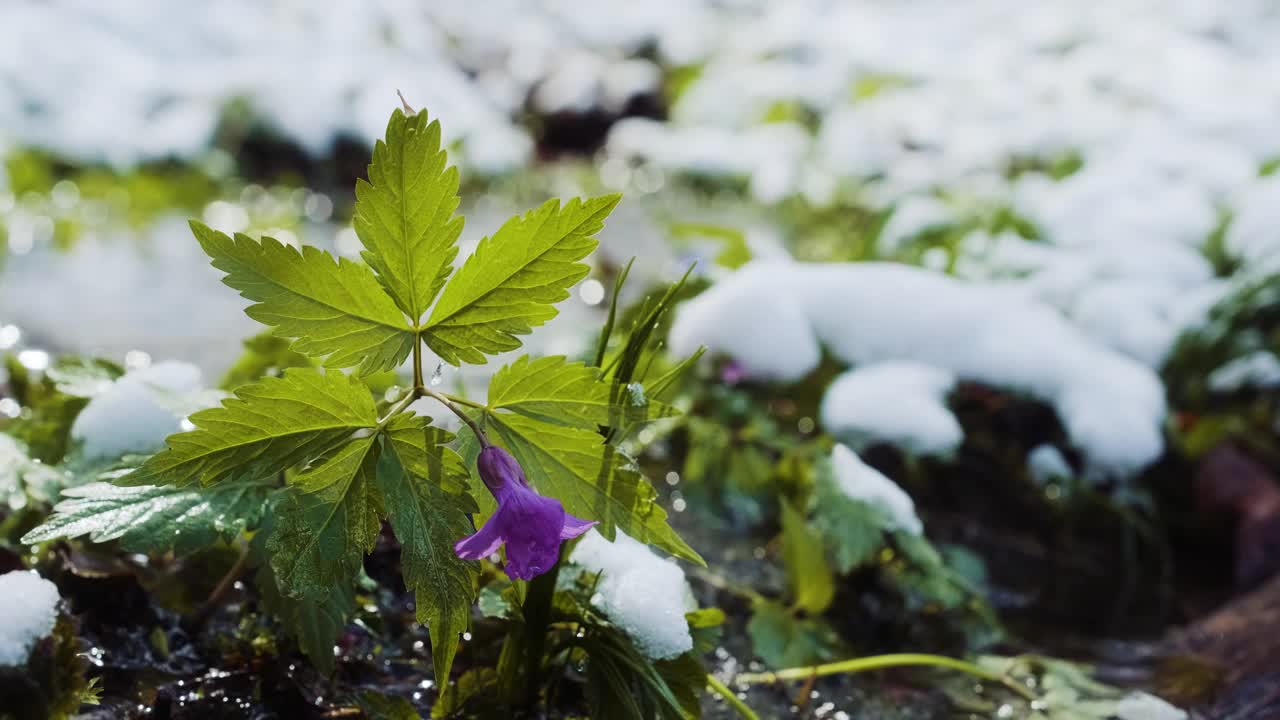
x,y
447,402
206,609
734,701
881,662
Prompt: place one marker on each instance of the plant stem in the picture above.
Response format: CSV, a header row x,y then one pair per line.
x,y
881,662
734,701
211,603
723,584
461,400
537,621
425,391
417,345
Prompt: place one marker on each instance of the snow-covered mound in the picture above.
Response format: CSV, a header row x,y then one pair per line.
x,y
140,410
28,612
640,592
775,317
864,483
900,403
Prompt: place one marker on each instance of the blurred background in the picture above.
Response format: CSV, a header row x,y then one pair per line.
x,y
1106,176
1121,153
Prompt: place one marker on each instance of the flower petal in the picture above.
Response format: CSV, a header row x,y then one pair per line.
x,y
529,559
533,524
482,543
575,526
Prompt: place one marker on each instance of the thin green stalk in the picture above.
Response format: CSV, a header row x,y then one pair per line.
x,y
211,604
462,401
734,701
881,662
607,330
722,583
425,391
417,345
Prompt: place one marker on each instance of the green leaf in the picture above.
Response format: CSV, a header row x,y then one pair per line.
x,y
705,627
266,428
622,683
329,521
427,521
316,623
335,309
380,706
24,480
662,386
852,529
591,479
557,391
510,283
264,355
404,213
83,377
44,425
421,449
783,640
478,692
809,576
154,519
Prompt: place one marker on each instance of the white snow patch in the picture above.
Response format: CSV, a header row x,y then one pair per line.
x,y
641,593
1046,464
901,403
1254,234
914,215
1259,369
1144,706
771,317
138,411
864,483
28,612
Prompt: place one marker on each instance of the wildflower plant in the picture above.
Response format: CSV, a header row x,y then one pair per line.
x,y
311,464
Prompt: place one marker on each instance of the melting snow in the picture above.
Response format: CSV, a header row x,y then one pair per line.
x,y
901,403
862,482
28,612
138,411
773,317
640,592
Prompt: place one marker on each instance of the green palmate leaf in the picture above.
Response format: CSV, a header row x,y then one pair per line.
x,y
510,283
853,530
783,640
812,584
335,309
329,522
427,521
404,213
266,428
316,622
555,390
154,519
420,448
593,480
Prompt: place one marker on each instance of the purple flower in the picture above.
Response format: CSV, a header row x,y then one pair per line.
x,y
732,373
531,525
